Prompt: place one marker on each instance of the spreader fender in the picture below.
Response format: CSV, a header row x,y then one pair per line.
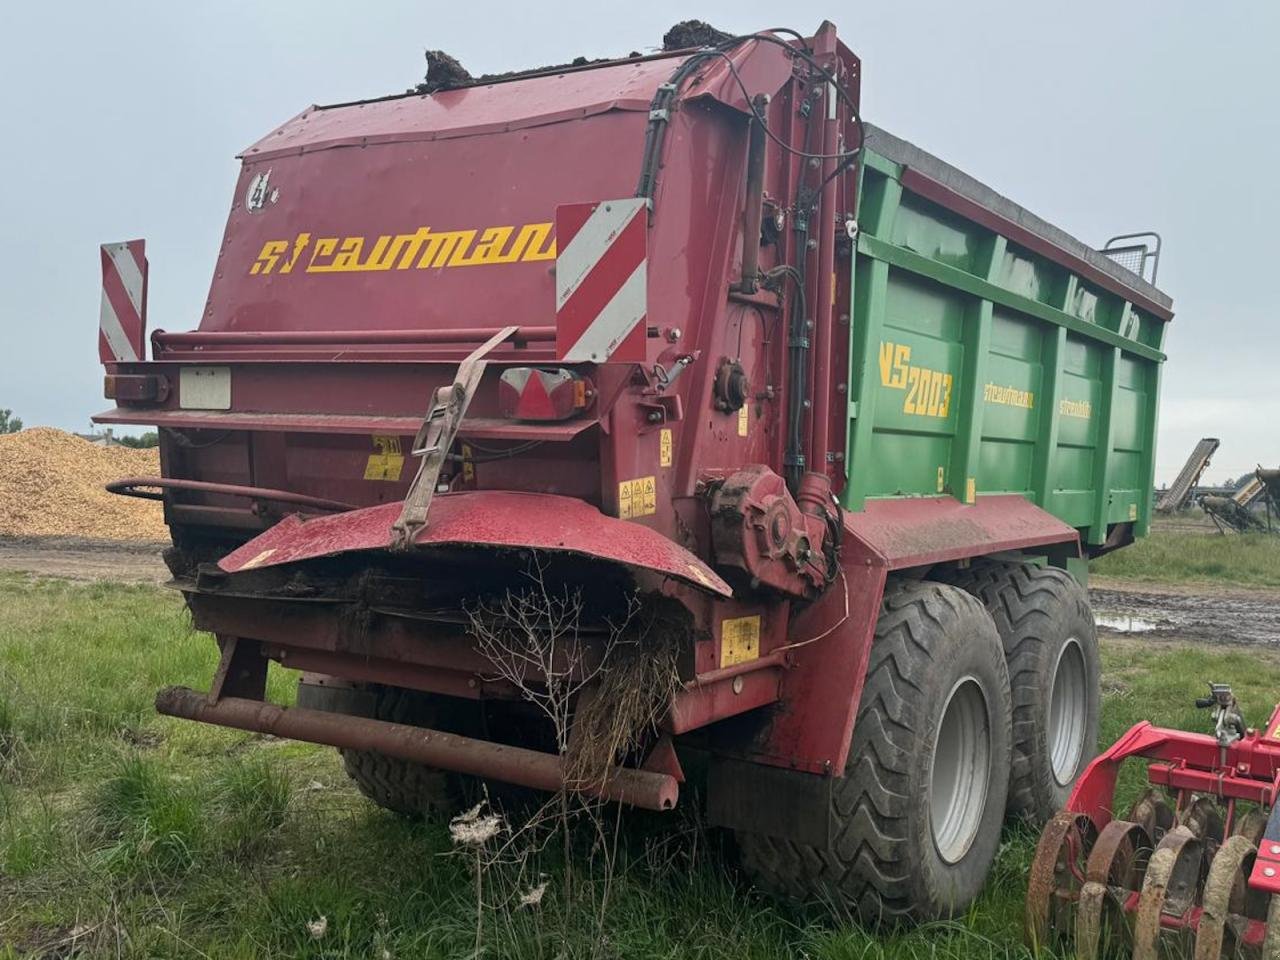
x,y
484,518
831,637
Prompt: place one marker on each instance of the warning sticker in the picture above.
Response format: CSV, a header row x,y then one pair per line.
x,y
664,447
743,421
386,462
637,498
1133,511
468,464
739,640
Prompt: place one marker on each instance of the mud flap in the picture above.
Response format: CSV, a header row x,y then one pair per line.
x,y
771,801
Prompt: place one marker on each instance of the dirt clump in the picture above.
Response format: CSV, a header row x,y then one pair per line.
x,y
52,484
688,34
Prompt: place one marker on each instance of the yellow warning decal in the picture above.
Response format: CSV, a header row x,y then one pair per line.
x,y
970,490
744,421
468,464
386,462
739,640
942,479
1133,511
664,447
637,498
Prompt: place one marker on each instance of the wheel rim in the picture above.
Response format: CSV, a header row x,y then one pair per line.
x,y
959,770
1068,712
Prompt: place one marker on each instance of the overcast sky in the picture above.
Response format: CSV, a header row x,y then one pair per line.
x,y
121,120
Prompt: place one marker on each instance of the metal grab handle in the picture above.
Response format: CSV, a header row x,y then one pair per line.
x,y
129,487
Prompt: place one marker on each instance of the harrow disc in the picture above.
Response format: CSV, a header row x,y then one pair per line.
x,y
1203,817
1057,876
1152,812
1251,824
1168,890
1225,900
1154,886
1114,873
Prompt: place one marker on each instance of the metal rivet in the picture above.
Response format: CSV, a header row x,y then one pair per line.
x,y
1269,871
737,685
1275,850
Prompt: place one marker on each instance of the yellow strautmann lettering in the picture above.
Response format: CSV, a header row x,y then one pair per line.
x,y
423,249
928,392
1008,396
1081,409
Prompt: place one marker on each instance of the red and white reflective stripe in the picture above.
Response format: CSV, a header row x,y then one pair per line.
x,y
601,281
122,321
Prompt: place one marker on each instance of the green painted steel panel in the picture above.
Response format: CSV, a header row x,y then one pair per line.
x,y
979,366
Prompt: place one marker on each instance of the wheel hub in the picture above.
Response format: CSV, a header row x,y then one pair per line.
x,y
1068,712
960,770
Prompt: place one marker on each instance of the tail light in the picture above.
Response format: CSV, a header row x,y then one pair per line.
x,y
534,393
135,388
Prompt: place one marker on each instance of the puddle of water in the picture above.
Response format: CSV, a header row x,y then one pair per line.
x,y
1124,623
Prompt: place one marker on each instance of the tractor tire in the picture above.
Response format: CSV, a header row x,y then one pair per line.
x,y
409,789
915,821
1051,645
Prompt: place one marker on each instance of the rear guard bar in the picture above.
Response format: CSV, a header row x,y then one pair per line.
x,y
434,748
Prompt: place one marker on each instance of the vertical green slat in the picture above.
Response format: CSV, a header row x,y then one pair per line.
x,y
966,449
1104,452
1046,455
1152,421
867,320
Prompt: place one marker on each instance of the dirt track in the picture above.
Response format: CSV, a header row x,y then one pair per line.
x,y
1204,613
80,559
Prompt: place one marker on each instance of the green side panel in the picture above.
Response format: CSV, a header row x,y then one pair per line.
x,y
979,367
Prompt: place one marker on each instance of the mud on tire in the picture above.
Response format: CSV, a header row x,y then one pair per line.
x,y
1051,644
884,861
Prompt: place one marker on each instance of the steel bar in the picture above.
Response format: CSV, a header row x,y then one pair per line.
x,y
434,748
129,487
221,338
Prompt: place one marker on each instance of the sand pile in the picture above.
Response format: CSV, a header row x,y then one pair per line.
x,y
51,484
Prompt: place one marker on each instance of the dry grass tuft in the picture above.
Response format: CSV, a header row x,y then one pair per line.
x,y
637,679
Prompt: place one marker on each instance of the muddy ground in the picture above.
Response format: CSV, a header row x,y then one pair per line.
x,y
1205,613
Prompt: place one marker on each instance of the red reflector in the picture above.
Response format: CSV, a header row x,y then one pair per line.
x,y
532,393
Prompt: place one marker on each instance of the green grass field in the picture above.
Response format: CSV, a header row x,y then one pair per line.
x,y
126,834
1252,560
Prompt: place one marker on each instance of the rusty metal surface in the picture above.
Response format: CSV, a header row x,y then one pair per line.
x,y
444,751
478,519
1057,876
1115,869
